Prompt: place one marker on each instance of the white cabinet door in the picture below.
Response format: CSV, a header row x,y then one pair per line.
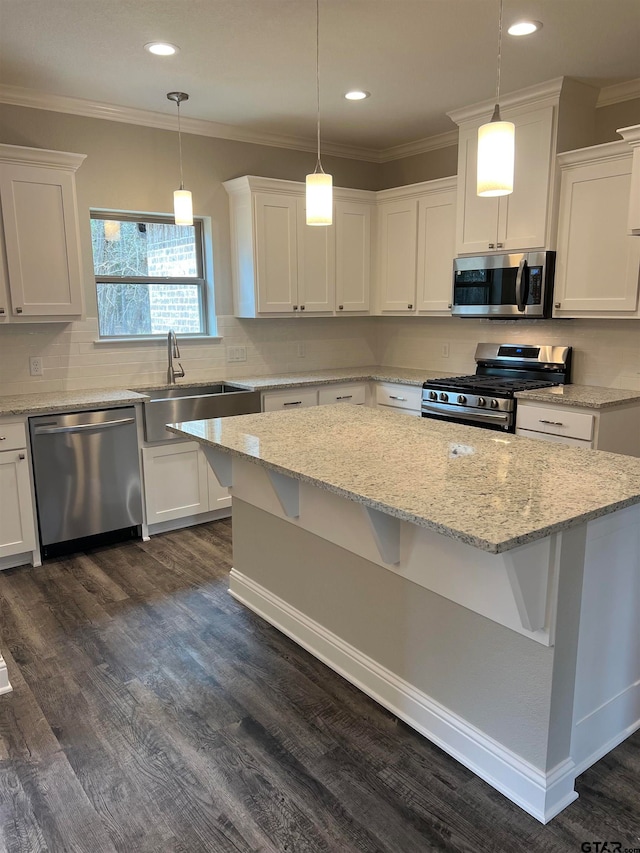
x,y
316,265
40,223
518,220
17,525
398,232
353,256
354,393
276,252
598,263
175,481
298,398
436,250
405,398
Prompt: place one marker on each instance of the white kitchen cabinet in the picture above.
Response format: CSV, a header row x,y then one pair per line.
x,y
615,429
17,522
283,267
175,481
416,243
40,267
597,263
296,398
354,393
632,136
405,399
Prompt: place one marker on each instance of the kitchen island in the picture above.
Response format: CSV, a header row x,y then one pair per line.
x,y
481,586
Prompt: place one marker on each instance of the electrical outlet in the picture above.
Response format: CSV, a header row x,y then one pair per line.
x,y
236,353
444,352
35,365
302,350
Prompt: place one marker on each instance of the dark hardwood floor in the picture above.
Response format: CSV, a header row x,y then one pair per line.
x,y
153,714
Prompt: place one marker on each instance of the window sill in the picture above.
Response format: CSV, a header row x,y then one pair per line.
x,y
157,339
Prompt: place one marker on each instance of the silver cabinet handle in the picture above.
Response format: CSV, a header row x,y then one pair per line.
x,y
449,305
296,403
302,307
18,310
21,456
3,437
1,310
82,427
340,307
345,397
393,397
558,305
409,306
500,245
551,423
295,307
492,245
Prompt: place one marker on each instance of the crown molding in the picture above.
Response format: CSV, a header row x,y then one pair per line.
x,y
418,146
628,91
529,97
18,154
618,150
22,97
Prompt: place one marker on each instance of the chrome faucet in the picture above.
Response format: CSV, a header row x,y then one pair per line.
x,y
173,352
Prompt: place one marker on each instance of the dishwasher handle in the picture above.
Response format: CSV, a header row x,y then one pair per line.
x,y
41,430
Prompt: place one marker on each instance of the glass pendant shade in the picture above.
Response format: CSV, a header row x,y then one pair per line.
x,y
182,207
319,199
496,156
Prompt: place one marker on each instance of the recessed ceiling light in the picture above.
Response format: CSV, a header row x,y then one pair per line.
x,y
161,48
357,95
524,28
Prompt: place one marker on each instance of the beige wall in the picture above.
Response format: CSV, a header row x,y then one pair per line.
x,y
614,116
439,163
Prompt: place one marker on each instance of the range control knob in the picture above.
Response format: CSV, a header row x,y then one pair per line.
x,y
482,401
494,404
462,398
444,397
433,395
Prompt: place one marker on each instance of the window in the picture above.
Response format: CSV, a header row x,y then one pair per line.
x,y
149,275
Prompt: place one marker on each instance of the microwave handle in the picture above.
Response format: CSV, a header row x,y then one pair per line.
x,y
521,285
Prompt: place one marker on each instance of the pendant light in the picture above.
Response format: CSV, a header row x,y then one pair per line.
x,y
496,145
182,202
319,190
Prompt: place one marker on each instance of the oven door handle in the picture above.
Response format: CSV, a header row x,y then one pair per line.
x,y
486,417
521,285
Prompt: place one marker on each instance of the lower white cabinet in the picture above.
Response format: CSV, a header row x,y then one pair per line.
x,y
178,482
349,392
17,522
615,429
405,399
296,398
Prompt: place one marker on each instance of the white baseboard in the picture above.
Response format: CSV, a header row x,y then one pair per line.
x,y
542,795
25,559
602,730
188,521
5,686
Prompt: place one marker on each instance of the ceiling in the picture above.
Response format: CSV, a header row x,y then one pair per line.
x,y
251,63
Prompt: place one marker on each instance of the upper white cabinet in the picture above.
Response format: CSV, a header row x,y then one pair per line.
x,y
281,266
40,267
548,118
597,263
416,236
632,136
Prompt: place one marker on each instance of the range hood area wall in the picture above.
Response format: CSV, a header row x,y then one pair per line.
x,y
133,167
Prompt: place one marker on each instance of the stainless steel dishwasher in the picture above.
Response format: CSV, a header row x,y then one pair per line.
x,y
87,474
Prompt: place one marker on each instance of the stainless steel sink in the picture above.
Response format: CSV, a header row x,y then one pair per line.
x,y
193,403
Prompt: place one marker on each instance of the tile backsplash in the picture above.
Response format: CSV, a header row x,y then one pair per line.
x,y
606,352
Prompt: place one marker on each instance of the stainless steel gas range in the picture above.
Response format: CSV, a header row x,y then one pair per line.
x,y
486,398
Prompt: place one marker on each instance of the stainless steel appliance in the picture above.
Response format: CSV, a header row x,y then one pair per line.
x,y
486,398
87,474
516,285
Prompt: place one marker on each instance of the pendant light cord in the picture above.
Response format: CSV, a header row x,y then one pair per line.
x,y
499,53
318,164
180,147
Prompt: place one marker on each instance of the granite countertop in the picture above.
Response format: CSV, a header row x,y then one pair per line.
x,y
486,489
405,375
57,401
585,396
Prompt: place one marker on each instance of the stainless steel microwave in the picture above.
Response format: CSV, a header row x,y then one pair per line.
x,y
508,286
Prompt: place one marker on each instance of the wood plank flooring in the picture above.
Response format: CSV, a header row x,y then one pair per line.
x,y
152,713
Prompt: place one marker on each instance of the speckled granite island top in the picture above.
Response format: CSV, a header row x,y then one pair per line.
x,y
484,488
59,401
585,396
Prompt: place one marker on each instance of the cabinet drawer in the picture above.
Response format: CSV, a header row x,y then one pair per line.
x,y
342,394
556,422
299,398
12,436
555,439
399,396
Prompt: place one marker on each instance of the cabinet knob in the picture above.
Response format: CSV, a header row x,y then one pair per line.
x,y
558,305
21,456
302,307
3,437
18,310
340,307
1,310
409,306
295,307
499,245
449,305
492,245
